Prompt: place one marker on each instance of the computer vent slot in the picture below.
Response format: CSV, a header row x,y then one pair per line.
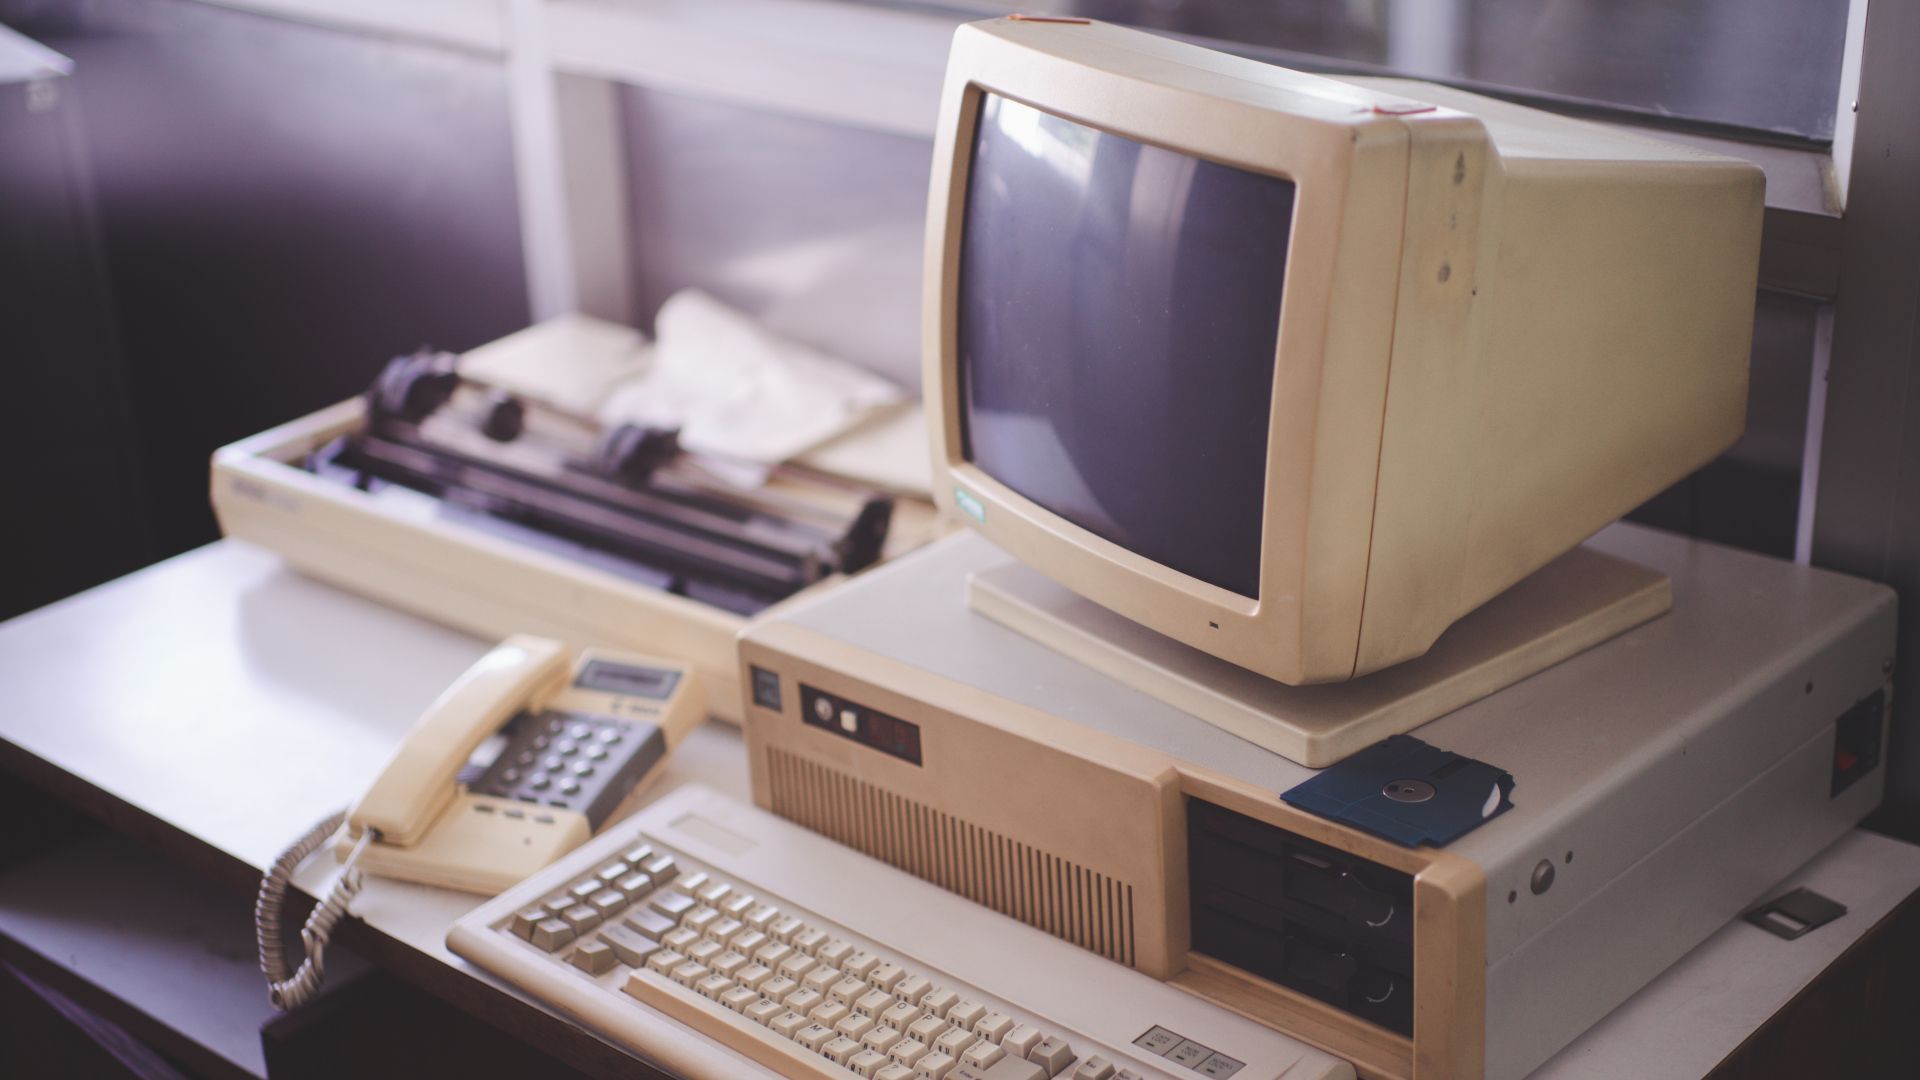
x,y
1062,898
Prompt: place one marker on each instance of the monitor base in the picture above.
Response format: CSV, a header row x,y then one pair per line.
x,y
1572,604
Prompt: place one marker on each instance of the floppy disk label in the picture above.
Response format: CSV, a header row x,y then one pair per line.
x,y
1407,791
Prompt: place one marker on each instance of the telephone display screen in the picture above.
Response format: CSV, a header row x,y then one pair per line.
x,y
630,679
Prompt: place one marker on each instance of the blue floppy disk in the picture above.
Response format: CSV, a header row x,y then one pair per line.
x,y
1408,792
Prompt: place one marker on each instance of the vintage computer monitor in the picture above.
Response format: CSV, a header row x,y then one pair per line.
x,y
1297,372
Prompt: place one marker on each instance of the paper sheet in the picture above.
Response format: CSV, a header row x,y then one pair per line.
x,y
738,391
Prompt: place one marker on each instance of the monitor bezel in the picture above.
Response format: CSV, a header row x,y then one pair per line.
x,y
1346,157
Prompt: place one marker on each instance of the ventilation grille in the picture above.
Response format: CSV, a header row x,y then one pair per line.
x,y
1064,899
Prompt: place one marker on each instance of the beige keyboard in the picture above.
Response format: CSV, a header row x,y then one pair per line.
x,y
816,961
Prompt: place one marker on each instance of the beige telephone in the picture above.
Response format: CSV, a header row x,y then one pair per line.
x,y
517,763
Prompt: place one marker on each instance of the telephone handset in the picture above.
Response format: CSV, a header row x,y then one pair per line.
x,y
415,788
518,762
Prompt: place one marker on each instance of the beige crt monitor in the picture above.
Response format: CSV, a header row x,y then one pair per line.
x,y
1296,371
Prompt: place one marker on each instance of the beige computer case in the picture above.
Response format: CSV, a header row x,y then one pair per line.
x,y
1502,330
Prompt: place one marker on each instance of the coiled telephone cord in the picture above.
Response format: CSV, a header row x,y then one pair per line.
x,y
291,989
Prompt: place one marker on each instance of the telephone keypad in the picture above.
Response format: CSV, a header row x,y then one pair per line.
x,y
573,761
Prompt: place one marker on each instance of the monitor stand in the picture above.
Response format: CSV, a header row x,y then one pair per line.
x,y
1572,604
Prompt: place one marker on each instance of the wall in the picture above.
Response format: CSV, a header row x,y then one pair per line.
x,y
281,207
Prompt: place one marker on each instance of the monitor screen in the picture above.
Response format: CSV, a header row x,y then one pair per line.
x,y
1119,305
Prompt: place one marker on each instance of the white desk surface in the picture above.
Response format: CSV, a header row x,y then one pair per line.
x,y
224,696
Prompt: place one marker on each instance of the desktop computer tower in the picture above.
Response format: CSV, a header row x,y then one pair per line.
x,y
1664,781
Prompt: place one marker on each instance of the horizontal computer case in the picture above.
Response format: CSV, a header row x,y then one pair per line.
x,y
1664,781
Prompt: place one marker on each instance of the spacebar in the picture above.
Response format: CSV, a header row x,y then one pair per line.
x,y
730,1029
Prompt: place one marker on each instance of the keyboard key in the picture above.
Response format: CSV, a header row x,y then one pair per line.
x,y
613,872
934,1066
664,961
900,1014
673,904
784,929
1189,1053
724,930
594,958
608,902
1052,1054
727,963
1006,1068
687,973
809,941
629,947
747,942
680,940
753,976
866,1062
830,1013
815,1036
894,1072
908,1052
992,1027
582,918
982,1054
739,998
557,904
524,921
688,884
550,934
737,905
964,1015
873,1003
882,1039
804,1000
938,1001
763,1011
854,1026
771,954
847,991
834,952
778,987
1094,1068
841,1049
713,986
704,951
637,855
789,1023
954,1042
661,867
635,885
1021,1040
648,923
821,979
886,977
796,965
712,892
760,916
583,889
912,989
699,919
926,1029
860,964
